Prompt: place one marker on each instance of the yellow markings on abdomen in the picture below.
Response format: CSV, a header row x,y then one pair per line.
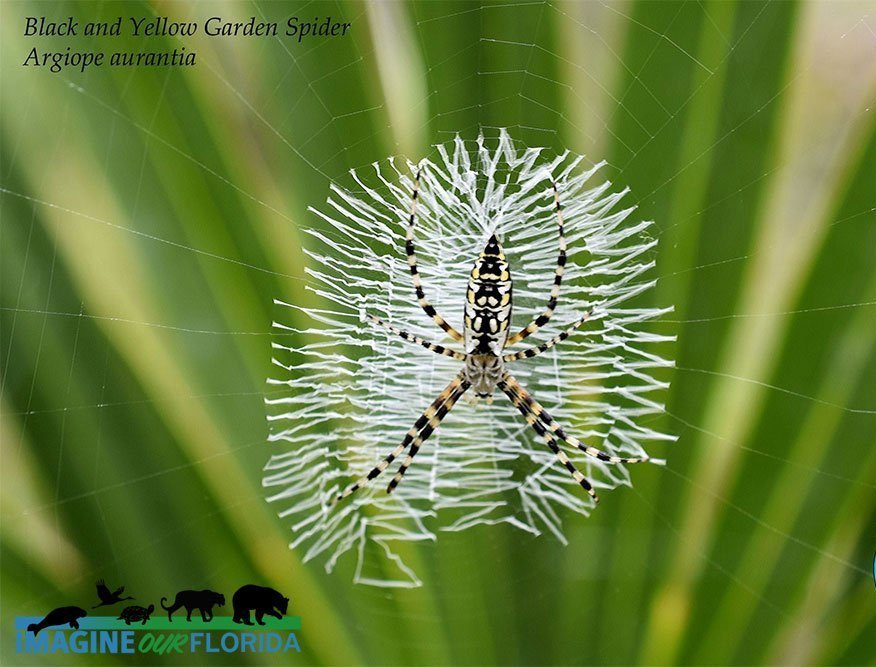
x,y
488,304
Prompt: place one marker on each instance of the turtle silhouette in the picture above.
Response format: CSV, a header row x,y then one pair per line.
x,y
135,613
59,616
109,597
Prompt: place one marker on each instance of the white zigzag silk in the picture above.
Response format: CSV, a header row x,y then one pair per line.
x,y
343,399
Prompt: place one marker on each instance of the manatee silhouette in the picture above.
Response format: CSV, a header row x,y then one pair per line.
x,y
59,616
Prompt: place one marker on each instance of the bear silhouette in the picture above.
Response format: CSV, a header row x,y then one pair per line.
x,y
261,600
203,601
59,616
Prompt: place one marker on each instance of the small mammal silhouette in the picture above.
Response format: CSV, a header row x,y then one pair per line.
x,y
260,599
203,601
135,613
59,616
107,597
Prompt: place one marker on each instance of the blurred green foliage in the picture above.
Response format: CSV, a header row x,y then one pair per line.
x,y
150,216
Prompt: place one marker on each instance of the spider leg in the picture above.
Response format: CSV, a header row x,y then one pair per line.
x,y
432,347
559,338
545,317
424,422
544,418
513,390
440,413
415,274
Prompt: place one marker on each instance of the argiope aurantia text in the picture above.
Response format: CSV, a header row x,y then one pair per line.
x,y
485,339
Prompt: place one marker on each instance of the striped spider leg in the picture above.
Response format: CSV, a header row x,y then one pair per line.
x,y
545,317
545,425
485,336
416,436
412,265
411,338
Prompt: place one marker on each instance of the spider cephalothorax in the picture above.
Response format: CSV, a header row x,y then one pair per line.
x,y
485,339
483,372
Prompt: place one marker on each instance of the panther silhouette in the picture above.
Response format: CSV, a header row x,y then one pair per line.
x,y
203,601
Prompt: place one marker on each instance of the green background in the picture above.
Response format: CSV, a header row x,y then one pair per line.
x,y
150,217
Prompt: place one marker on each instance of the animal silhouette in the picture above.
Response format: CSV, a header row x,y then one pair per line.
x,y
203,601
135,613
59,616
107,597
260,599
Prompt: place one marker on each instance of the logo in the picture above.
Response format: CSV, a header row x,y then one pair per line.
x,y
139,629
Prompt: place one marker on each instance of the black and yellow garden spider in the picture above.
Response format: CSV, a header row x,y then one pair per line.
x,y
485,339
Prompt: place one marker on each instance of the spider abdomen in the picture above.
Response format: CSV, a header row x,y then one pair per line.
x,y
488,302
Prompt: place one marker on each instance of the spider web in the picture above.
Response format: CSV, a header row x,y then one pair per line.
x,y
366,380
551,73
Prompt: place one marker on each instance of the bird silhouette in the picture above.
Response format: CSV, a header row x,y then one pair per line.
x,y
107,597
